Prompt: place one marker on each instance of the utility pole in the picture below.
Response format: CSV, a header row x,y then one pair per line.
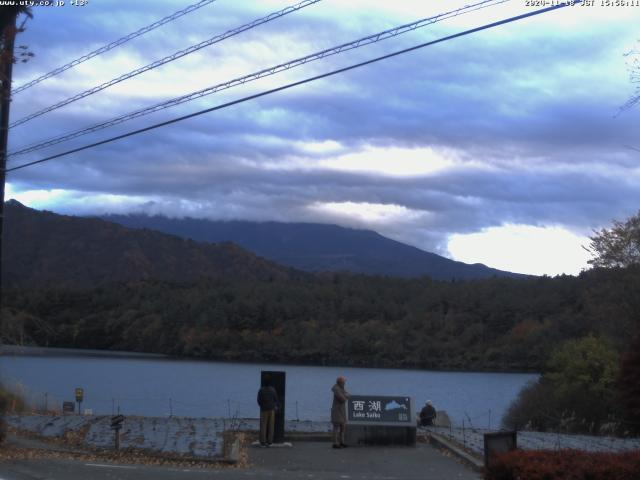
x,y
8,35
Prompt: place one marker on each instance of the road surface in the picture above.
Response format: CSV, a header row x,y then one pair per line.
x,y
306,460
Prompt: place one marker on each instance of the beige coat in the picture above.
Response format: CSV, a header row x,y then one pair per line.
x,y
339,405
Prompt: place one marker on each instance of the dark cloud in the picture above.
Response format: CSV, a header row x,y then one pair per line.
x,y
527,113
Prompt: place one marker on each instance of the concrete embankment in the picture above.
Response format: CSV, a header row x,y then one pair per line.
x,y
201,437
472,440
197,437
205,437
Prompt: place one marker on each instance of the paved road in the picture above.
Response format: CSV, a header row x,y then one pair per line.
x,y
306,460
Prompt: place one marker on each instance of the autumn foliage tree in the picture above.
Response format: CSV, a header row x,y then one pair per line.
x,y
583,373
618,246
575,393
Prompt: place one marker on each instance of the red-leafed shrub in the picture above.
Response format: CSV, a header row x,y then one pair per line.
x,y
564,465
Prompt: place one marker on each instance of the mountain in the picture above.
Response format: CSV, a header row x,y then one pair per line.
x,y
46,249
316,247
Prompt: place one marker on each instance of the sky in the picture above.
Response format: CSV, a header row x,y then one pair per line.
x,y
505,147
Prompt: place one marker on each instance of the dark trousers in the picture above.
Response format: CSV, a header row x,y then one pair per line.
x,y
338,433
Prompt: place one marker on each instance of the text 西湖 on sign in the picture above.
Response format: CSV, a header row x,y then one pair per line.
x,y
379,410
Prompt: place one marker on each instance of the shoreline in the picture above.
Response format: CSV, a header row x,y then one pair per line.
x,y
36,351
28,351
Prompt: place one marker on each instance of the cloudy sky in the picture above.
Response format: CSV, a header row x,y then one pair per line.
x,y
504,147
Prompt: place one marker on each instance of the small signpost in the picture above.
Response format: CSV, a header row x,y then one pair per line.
x,y
79,398
116,425
380,420
68,407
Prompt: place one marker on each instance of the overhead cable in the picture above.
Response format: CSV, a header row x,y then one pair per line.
x,y
260,74
167,59
113,44
298,83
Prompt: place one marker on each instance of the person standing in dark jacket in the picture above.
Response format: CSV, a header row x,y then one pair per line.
x,y
268,401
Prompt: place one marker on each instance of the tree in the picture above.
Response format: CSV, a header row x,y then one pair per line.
x,y
583,375
587,365
633,65
575,393
618,246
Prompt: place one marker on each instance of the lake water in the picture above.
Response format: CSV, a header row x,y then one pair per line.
x,y
160,386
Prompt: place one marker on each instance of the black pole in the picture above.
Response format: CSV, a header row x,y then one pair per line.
x,y
8,39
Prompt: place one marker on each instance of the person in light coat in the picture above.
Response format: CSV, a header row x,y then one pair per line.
x,y
339,412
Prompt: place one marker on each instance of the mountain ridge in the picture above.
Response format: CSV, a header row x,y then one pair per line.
x,y
317,247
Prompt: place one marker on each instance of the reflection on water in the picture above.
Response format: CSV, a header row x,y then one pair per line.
x,y
158,387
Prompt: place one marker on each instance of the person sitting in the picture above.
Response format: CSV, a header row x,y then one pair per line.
x,y
427,414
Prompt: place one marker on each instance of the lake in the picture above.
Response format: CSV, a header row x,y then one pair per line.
x,y
155,386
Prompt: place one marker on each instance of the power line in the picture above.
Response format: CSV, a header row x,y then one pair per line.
x,y
167,59
260,74
298,83
113,44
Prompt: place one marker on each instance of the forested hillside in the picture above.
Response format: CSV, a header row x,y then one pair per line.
x,y
44,248
495,324
87,283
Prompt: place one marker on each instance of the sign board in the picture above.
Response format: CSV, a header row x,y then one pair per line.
x,y
68,407
380,410
116,422
79,394
498,442
116,425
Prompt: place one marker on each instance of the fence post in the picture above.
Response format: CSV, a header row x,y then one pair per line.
x,y
464,437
